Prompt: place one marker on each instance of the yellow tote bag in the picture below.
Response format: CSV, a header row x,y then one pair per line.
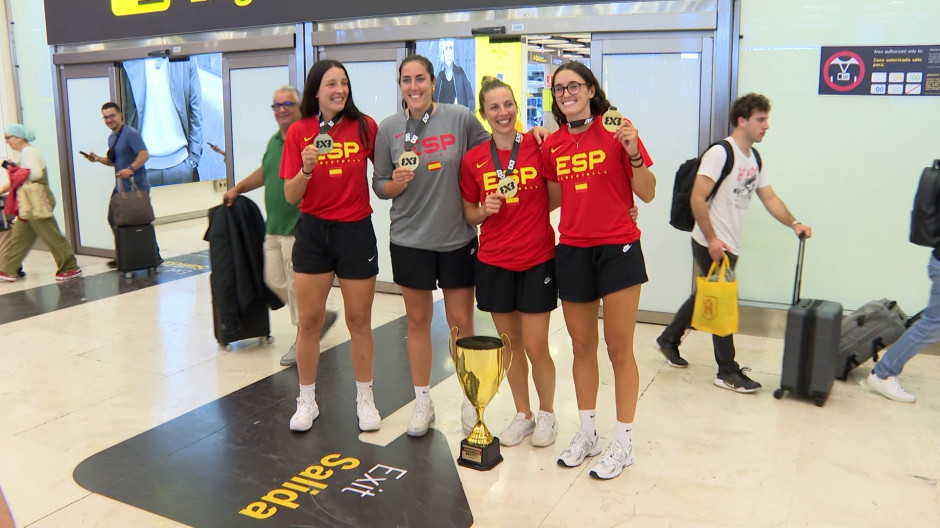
x,y
716,301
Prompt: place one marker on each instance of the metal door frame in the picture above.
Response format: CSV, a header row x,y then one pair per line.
x,y
710,123
245,60
66,170
389,51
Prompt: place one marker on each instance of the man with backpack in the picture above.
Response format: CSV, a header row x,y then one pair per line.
x,y
925,231
719,216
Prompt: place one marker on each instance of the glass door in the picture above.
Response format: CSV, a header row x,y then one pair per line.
x,y
373,75
87,190
664,87
248,84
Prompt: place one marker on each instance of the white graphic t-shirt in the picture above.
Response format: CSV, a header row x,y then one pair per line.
x,y
729,206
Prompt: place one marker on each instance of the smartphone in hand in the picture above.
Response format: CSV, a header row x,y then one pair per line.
x,y
7,164
86,155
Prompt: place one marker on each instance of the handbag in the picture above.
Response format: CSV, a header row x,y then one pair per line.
x,y
33,201
716,300
131,207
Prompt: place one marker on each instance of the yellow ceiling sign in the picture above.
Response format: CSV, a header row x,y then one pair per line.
x,y
138,7
142,7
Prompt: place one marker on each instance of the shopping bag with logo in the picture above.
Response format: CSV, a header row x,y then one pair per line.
x,y
33,201
716,300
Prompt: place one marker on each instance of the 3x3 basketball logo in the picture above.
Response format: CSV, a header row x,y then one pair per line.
x,y
323,145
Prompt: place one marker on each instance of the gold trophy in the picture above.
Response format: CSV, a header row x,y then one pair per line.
x,y
480,370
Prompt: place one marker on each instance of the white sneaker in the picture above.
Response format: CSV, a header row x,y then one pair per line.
x,y
890,388
307,412
369,417
615,458
468,417
546,430
581,446
421,418
518,429
290,358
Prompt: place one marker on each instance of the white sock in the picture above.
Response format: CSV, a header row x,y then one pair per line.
x,y
423,393
622,433
364,389
587,421
312,388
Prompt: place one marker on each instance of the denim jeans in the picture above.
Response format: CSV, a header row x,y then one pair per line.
x,y
723,345
922,333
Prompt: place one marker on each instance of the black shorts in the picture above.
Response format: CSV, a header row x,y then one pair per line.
x,y
423,269
347,248
587,274
534,290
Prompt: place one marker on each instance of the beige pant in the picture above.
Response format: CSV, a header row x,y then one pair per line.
x,y
279,270
21,241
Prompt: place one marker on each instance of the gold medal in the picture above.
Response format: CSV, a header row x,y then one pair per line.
x,y
507,186
408,160
323,143
612,119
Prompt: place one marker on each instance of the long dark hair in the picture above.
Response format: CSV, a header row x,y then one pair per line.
x,y
599,103
310,106
427,66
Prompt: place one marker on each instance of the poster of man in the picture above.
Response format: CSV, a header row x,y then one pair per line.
x,y
176,104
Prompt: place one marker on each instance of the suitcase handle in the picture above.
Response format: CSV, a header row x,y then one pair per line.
x,y
798,281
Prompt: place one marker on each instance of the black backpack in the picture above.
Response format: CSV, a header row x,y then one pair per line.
x,y
680,216
925,216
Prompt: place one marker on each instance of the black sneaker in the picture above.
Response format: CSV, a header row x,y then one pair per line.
x,y
737,382
671,353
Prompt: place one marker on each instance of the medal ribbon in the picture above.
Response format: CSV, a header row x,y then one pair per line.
x,y
325,127
411,138
580,122
512,157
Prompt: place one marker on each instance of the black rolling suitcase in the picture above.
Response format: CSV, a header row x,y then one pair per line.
x,y
240,299
6,225
256,323
137,249
811,357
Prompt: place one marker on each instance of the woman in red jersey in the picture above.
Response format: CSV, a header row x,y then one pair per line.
x,y
325,162
598,255
515,270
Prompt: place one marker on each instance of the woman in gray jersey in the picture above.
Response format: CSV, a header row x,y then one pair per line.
x,y
417,166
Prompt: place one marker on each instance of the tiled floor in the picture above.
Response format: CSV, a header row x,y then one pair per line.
x,y
76,381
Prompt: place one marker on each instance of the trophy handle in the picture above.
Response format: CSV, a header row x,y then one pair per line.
x,y
452,343
505,337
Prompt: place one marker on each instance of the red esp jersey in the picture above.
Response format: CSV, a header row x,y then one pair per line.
x,y
520,235
339,187
595,175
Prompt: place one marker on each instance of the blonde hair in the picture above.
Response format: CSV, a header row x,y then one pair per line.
x,y
490,83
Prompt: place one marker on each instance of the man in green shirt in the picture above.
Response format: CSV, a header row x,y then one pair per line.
x,y
281,216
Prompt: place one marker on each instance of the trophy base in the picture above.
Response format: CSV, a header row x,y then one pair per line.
x,y
479,458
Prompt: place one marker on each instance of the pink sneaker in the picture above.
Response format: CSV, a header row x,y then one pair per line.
x,y
68,275
7,277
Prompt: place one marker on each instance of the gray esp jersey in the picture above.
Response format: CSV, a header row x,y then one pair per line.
x,y
428,214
